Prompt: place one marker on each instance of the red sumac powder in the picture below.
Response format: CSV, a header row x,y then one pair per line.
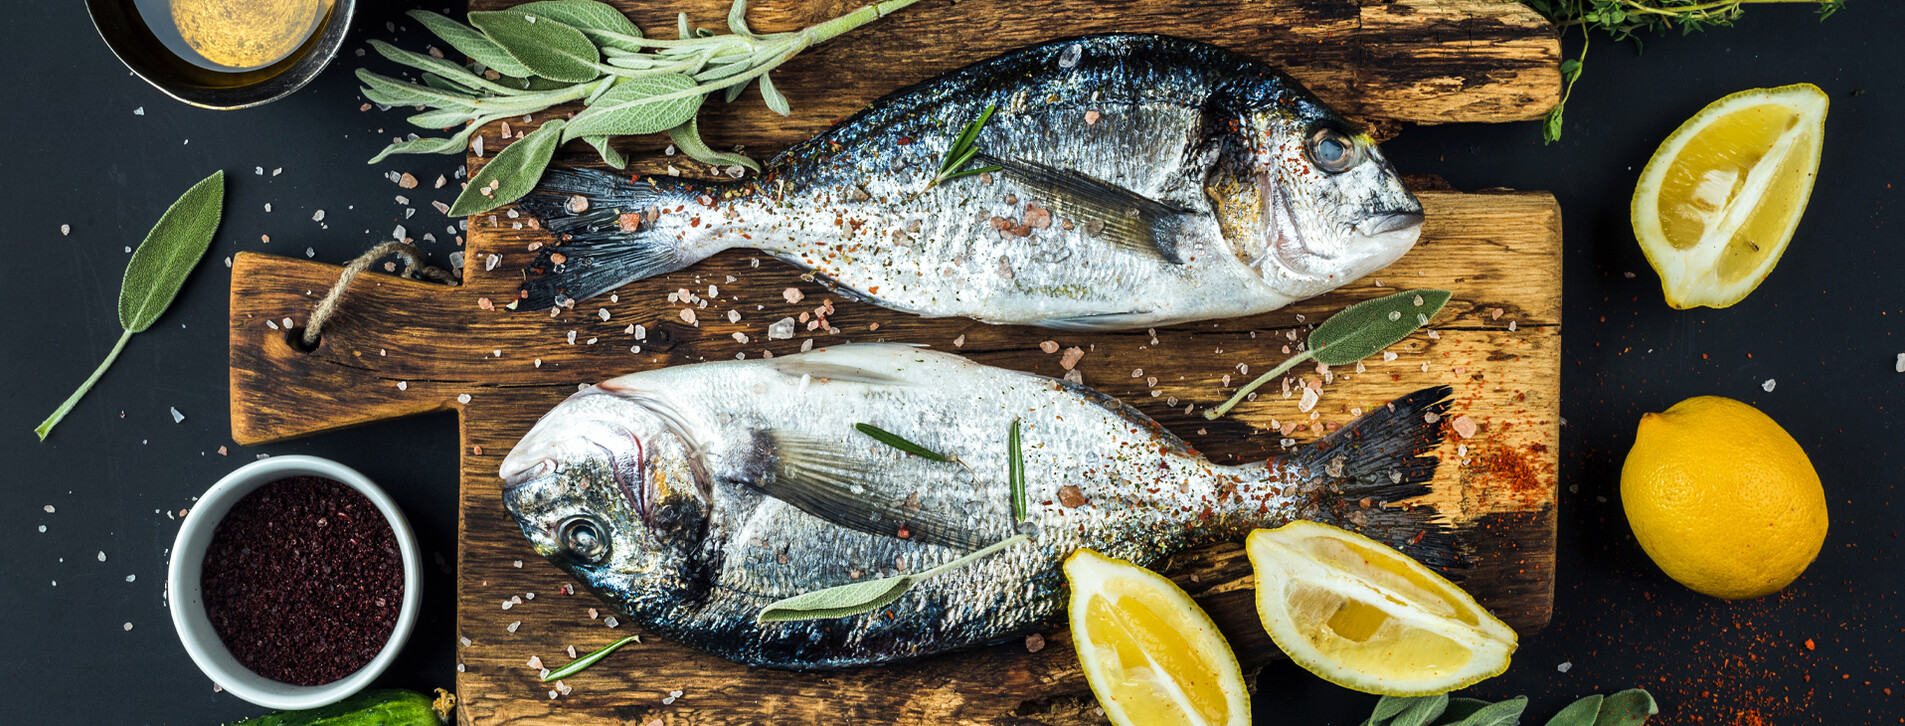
x,y
303,580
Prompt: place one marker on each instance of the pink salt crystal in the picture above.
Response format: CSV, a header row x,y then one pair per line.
x,y
1464,426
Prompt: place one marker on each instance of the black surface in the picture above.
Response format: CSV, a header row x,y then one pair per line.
x,y
1826,326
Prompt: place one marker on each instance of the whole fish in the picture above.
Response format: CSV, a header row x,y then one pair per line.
x,y
691,497
1144,180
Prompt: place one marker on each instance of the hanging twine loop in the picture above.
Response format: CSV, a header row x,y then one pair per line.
x,y
413,264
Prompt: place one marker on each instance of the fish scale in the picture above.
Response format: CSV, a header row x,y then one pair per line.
x,y
1184,183
716,489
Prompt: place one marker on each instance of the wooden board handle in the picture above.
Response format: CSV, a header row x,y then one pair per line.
x,y
359,372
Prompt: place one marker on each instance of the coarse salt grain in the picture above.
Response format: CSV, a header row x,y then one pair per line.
x,y
49,508
1900,365
513,626
611,621
102,555
66,229
1464,426
128,626
1050,346
403,385
1308,401
1565,665
1768,385
180,418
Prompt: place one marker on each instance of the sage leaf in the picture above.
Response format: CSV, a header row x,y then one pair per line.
x,y
1423,711
1505,713
1015,472
1459,709
838,602
445,68
392,92
639,106
1366,328
775,101
512,174
1579,713
471,43
1388,707
862,597
442,118
611,29
159,266
1627,708
687,137
737,19
607,151
549,49
432,80
155,274
577,665
431,145
894,440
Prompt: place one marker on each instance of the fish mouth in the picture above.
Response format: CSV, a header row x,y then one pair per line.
x,y
1396,225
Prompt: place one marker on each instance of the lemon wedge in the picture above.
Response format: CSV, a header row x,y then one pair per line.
x,y
1722,195
1151,654
1368,618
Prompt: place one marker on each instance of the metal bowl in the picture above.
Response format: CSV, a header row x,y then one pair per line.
x,y
125,32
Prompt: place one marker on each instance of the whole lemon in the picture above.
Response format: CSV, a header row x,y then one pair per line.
x,y
1723,499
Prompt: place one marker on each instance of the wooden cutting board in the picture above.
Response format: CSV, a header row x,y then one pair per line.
x,y
400,347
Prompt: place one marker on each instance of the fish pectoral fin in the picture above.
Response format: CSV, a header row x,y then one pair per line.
x,y
1117,215
819,478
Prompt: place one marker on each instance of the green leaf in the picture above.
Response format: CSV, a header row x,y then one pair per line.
x,y
548,48
1627,708
453,71
577,665
1506,713
737,19
1364,329
1459,709
1579,713
156,273
630,107
587,15
392,92
861,597
687,137
775,101
514,171
607,151
430,145
1389,706
443,118
1015,472
170,251
838,602
1422,711
471,43
1551,125
894,440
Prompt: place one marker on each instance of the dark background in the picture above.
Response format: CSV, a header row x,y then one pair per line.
x,y
1826,326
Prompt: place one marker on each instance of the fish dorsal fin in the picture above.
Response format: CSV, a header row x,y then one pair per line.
x,y
878,364
830,481
1117,215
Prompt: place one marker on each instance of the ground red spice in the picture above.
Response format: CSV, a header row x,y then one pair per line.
x,y
303,580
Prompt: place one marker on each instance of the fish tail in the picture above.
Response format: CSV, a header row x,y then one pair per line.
x,y
1360,472
612,230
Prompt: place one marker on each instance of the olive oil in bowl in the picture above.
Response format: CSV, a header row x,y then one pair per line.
x,y
224,53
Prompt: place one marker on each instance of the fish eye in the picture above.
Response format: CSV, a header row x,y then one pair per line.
x,y
584,540
1333,151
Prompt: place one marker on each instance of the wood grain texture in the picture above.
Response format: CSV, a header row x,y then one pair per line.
x,y
1497,251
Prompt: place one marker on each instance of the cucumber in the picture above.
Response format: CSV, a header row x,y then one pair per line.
x,y
388,707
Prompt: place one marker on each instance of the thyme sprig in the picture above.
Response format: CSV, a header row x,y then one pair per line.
x,y
1625,19
542,54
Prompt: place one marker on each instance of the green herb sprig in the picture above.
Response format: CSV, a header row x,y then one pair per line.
x,y
963,149
1628,708
1359,331
862,597
1624,19
156,272
894,440
541,54
582,663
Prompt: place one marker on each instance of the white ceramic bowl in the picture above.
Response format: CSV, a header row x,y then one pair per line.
x,y
188,607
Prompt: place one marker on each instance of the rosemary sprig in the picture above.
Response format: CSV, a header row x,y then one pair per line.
x,y
894,440
531,57
963,149
577,665
1015,472
1623,19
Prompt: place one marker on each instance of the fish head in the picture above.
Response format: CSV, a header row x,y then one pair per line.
x,y
609,486
1306,198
